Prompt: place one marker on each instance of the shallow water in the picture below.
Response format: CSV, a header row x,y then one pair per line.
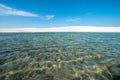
x,y
59,56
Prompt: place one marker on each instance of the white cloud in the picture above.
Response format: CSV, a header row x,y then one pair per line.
x,y
49,17
73,20
5,10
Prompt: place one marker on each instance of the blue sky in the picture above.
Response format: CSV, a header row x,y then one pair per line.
x,y
58,13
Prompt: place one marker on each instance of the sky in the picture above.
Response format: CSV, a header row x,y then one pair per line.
x,y
59,13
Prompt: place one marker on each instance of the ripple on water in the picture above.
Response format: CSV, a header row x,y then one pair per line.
x,y
47,56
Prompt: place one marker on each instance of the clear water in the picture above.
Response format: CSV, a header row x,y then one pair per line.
x,y
59,56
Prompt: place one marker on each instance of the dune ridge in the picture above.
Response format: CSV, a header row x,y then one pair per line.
x,y
64,29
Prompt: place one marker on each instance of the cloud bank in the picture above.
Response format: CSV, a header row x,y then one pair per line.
x,y
64,29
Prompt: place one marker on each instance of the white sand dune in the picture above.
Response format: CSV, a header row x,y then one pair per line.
x,y
64,29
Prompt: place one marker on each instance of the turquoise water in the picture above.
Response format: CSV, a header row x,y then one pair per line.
x,y
59,56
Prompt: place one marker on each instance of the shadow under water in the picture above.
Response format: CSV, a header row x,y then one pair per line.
x,y
59,56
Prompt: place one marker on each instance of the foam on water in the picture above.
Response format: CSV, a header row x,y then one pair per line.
x,y
59,56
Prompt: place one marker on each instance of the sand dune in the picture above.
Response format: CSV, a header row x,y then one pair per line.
x,y
64,29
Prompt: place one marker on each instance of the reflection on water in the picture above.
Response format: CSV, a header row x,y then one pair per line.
x,y
59,56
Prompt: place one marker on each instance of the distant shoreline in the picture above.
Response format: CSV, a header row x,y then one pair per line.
x,y
63,29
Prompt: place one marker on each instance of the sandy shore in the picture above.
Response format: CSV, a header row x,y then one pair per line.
x,y
63,29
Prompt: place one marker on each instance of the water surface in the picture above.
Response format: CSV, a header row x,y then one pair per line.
x,y
59,56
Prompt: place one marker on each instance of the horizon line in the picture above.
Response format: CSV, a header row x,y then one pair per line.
x,y
64,29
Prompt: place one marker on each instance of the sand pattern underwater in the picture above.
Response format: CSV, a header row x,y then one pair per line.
x,y
60,56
